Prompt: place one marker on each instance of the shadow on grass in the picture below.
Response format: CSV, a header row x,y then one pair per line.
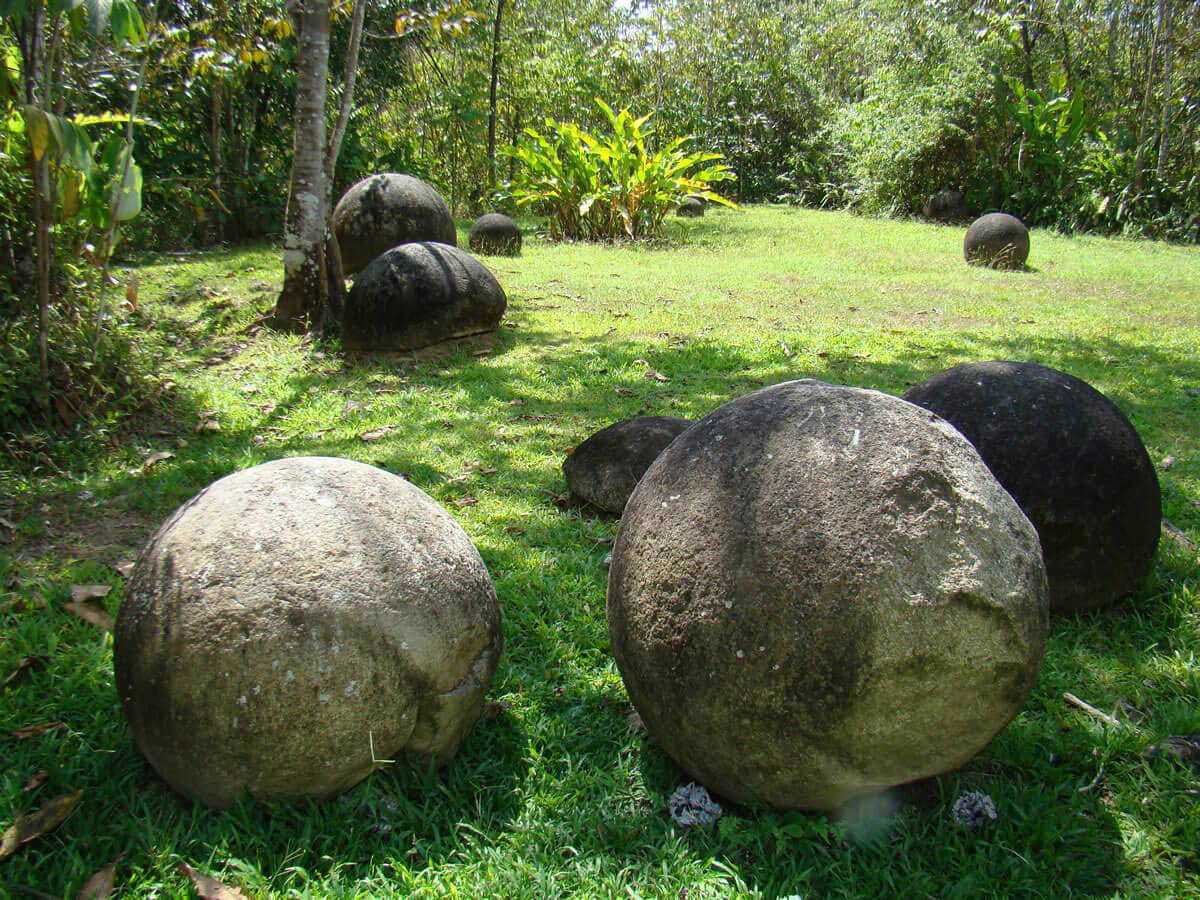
x,y
568,721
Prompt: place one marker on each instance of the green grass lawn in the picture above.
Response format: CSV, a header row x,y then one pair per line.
x,y
553,793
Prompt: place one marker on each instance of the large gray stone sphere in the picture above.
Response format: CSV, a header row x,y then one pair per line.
x,y
1072,461
384,210
691,208
294,618
495,234
997,240
818,592
604,469
416,295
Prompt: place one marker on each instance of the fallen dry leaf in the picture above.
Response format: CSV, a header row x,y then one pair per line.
x,y
100,885
28,664
514,529
375,435
519,401
33,825
657,376
622,390
494,709
123,567
92,614
488,471
156,457
465,501
211,425
207,887
35,781
81,593
32,731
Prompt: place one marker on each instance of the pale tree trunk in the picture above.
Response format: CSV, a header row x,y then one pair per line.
x,y
1164,127
218,163
491,144
303,300
1144,111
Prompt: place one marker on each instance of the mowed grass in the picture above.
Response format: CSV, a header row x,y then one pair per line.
x,y
555,795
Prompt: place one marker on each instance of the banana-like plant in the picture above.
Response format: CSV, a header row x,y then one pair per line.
x,y
606,187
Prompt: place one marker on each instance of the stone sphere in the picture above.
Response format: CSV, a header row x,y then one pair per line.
x,y
1072,461
416,295
495,234
691,208
818,592
604,469
293,619
385,210
947,205
997,240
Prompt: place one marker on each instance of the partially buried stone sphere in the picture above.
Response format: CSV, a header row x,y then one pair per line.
x,y
495,234
1072,461
818,592
385,210
604,469
997,240
691,208
416,295
296,621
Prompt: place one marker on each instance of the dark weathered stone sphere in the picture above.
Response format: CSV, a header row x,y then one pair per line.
x,y
385,210
495,234
1072,461
818,592
293,619
691,208
416,295
997,240
604,469
947,205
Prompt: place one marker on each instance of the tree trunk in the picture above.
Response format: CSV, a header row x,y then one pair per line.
x,y
347,105
1144,111
1168,83
32,49
305,291
491,144
218,163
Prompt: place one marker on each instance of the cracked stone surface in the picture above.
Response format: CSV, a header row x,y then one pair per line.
x,y
818,592
295,623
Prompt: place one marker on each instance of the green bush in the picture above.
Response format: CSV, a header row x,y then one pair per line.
x,y
604,188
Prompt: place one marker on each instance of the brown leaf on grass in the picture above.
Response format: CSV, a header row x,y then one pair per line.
x,y
657,376
378,433
514,529
123,567
156,457
33,825
81,593
35,781
100,886
465,501
488,471
494,709
518,401
622,390
207,887
633,721
92,614
32,731
208,426
28,664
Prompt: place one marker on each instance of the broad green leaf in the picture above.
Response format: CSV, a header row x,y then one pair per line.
x,y
127,25
129,200
37,130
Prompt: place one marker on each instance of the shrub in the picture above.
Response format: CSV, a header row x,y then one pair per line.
x,y
604,188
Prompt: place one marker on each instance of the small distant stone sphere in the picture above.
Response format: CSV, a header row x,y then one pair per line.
x,y
819,592
997,240
691,208
604,469
297,621
947,205
417,295
385,210
1072,461
495,234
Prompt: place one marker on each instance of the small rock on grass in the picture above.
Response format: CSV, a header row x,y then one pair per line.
x,y
691,805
